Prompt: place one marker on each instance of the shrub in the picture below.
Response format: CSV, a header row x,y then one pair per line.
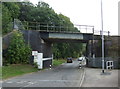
x,y
18,51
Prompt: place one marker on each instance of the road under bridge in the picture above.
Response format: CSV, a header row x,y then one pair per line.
x,y
42,41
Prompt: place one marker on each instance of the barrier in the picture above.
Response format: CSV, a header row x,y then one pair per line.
x,y
38,58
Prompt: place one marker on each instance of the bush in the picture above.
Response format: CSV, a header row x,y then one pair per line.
x,y
18,51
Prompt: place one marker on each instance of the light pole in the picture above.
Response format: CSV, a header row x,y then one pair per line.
x,y
102,38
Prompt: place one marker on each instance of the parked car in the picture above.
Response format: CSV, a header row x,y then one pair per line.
x,y
69,60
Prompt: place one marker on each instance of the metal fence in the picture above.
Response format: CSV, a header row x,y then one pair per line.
x,y
97,62
50,27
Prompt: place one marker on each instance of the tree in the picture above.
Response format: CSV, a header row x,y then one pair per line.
x,y
10,11
64,50
6,19
41,13
25,11
13,9
18,51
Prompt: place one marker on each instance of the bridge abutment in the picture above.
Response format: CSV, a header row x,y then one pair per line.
x,y
37,43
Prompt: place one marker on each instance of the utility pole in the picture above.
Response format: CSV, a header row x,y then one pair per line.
x,y
102,38
1,36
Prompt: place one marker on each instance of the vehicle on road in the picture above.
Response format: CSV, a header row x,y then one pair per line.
x,y
82,61
69,60
81,58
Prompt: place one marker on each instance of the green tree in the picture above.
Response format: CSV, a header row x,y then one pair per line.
x,y
44,14
64,50
13,9
6,19
10,11
66,24
18,51
26,11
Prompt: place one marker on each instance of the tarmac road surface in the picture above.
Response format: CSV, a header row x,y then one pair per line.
x,y
66,75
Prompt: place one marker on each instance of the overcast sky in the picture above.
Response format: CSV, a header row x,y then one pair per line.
x,y
88,12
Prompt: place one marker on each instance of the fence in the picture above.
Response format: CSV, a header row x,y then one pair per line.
x,y
41,62
49,27
97,62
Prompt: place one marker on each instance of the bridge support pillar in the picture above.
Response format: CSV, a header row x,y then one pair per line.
x,y
37,44
47,49
89,49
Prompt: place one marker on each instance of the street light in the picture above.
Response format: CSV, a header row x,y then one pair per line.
x,y
102,38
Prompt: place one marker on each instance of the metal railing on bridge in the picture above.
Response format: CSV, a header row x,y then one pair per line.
x,y
50,27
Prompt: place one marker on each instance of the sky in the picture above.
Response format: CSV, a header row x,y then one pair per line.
x,y
88,12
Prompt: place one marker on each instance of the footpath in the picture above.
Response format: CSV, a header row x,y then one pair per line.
x,y
94,78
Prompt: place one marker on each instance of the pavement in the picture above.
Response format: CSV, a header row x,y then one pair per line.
x,y
94,78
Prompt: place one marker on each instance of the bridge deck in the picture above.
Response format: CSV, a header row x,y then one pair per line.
x,y
65,36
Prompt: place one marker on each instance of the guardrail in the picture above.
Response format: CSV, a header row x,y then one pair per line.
x,y
44,59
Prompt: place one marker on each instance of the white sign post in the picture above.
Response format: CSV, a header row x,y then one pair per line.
x,y
38,58
35,54
40,61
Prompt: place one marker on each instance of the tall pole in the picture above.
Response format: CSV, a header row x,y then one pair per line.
x,y
102,38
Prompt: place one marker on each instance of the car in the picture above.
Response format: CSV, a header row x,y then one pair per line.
x,y
69,60
81,58
82,61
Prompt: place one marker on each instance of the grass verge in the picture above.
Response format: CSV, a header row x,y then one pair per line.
x,y
20,69
0,73
57,62
15,70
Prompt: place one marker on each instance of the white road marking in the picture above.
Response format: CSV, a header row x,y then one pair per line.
x,y
44,81
30,83
9,82
83,77
21,81
58,80
16,82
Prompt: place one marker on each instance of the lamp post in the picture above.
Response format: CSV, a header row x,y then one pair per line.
x,y
102,38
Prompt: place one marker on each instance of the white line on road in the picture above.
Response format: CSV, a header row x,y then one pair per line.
x,y
21,81
45,81
10,82
16,82
83,77
59,80
31,83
